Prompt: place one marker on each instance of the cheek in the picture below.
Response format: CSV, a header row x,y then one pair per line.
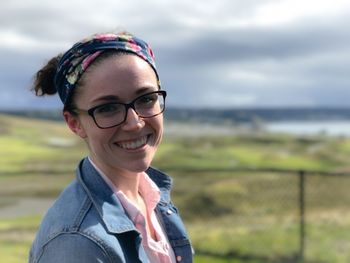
x,y
96,136
158,124
158,127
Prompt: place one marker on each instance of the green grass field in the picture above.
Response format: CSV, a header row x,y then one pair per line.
x,y
239,217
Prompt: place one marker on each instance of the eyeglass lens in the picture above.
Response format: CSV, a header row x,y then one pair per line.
x,y
113,114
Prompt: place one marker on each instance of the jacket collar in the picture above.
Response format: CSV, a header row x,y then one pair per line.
x,y
164,183
107,203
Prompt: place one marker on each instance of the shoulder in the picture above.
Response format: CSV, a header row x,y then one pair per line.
x,y
65,215
72,231
67,210
72,247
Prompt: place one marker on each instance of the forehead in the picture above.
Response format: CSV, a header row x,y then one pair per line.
x,y
118,75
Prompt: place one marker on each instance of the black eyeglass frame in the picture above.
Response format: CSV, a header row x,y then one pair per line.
x,y
127,107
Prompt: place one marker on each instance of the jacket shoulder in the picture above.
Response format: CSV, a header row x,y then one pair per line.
x,y
68,209
70,248
61,217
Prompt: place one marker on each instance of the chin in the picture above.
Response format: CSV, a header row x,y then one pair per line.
x,y
138,167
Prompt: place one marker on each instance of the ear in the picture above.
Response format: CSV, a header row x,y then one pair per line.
x,y
74,123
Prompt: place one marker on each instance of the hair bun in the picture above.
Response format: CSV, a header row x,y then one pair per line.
x,y
44,78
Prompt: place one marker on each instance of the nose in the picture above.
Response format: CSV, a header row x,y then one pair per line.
x,y
133,121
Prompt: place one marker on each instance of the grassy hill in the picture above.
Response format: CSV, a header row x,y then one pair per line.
x,y
246,217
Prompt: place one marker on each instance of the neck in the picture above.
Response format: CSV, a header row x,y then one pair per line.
x,y
122,180
128,184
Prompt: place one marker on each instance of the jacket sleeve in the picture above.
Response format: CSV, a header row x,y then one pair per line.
x,y
72,248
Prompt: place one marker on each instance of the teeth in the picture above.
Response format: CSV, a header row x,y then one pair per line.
x,y
130,145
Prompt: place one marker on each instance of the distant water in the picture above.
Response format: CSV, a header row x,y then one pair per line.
x,y
332,128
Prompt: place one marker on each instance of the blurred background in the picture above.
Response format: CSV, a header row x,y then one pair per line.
x,y
257,121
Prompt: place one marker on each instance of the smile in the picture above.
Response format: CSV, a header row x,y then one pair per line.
x,y
134,144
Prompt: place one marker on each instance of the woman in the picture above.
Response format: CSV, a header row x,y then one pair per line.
x,y
118,209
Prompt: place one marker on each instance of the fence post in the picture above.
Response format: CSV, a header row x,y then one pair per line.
x,y
302,215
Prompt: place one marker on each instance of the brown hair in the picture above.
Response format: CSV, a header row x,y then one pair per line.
x,y
43,83
44,78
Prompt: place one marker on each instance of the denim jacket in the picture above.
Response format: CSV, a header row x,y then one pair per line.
x,y
87,223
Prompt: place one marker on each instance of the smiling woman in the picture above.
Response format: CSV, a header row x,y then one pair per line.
x,y
118,209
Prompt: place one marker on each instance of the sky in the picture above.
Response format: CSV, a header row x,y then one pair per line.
x,y
209,53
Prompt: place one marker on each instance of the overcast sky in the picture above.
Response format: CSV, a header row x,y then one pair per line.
x,y
218,53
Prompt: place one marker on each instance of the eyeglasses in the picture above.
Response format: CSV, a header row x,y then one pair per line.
x,y
113,114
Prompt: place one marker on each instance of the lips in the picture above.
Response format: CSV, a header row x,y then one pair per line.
x,y
133,144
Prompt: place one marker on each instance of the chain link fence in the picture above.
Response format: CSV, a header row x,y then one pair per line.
x,y
274,216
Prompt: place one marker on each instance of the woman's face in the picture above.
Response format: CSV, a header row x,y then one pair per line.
x,y
129,147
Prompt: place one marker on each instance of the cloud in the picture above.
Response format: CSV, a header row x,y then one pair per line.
x,y
227,53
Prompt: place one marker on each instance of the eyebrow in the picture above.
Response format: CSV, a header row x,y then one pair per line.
x,y
106,98
143,90
114,98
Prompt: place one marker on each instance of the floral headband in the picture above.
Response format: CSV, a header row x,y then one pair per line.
x,y
77,59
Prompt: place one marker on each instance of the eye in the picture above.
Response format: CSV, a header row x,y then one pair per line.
x,y
111,108
148,99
